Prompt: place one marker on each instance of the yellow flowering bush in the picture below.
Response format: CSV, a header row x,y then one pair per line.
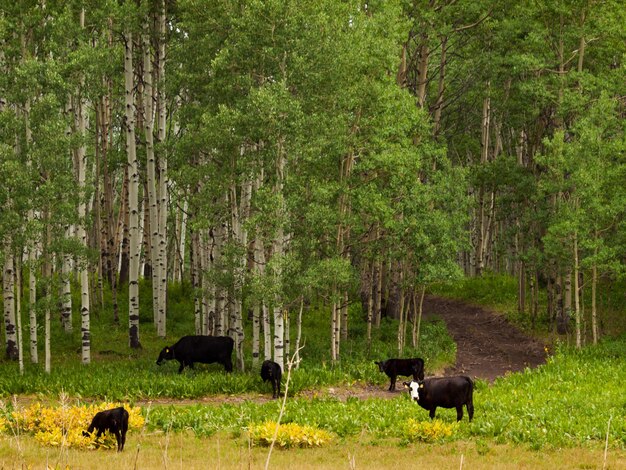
x,y
429,431
289,435
64,425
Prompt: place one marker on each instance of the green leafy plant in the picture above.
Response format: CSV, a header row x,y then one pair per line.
x,y
288,435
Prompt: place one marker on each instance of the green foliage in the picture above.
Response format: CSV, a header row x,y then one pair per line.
x,y
429,431
566,403
288,435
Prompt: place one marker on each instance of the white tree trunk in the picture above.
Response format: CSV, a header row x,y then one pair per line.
x,y
8,278
32,300
18,312
153,215
66,293
81,157
239,216
133,197
163,198
278,252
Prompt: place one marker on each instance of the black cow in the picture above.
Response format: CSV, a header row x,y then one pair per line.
x,y
446,392
205,349
114,420
405,367
270,370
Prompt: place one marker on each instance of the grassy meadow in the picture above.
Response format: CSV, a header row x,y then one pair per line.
x,y
569,413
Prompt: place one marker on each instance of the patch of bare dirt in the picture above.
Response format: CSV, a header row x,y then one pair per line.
x,y
488,346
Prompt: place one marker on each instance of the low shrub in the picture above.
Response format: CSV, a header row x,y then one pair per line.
x,y
429,431
289,435
63,425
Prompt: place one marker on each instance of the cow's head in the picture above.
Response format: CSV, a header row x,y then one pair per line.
x,y
414,388
381,365
166,354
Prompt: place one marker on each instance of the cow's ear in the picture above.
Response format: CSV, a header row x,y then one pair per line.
x,y
406,384
421,385
167,350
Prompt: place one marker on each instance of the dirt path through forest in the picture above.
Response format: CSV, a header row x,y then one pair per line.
x,y
488,346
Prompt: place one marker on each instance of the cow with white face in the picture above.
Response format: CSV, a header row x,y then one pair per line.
x,y
445,392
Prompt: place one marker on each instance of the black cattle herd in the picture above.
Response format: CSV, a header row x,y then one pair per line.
x,y
429,393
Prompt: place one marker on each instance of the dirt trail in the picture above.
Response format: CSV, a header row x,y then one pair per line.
x,y
488,346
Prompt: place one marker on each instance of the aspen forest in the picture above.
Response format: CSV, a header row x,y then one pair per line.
x,y
277,157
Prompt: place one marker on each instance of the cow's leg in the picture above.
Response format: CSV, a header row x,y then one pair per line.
x,y
182,366
118,438
228,365
392,384
459,413
432,412
470,410
124,430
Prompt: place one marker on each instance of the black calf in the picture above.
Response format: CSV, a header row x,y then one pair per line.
x,y
115,421
407,367
270,370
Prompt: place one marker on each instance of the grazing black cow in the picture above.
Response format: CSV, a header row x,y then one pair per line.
x,y
114,420
446,392
270,370
405,367
205,349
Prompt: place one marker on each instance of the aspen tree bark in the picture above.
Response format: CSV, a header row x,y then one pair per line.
x,y
576,292
567,300
123,232
210,292
287,320
335,325
163,195
47,275
151,183
32,280
133,197
194,272
109,231
482,218
8,292
18,314
440,89
378,276
81,157
278,252
219,237
401,310
296,356
261,307
208,302
66,292
239,216
422,72
417,318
